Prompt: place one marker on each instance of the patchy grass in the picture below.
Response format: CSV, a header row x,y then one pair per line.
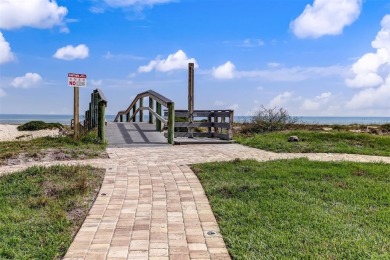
x,y
39,125
319,142
300,209
87,147
41,209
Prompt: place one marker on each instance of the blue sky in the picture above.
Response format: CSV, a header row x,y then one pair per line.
x,y
312,57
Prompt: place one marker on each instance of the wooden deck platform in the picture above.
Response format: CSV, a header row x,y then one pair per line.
x,y
129,134
133,134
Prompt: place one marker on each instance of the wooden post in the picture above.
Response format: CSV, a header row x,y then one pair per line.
x,y
141,112
158,111
91,111
128,117
171,122
215,128
134,109
76,113
191,95
209,121
151,105
102,122
96,102
89,116
230,130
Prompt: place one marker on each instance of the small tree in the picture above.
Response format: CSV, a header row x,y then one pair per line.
x,y
269,119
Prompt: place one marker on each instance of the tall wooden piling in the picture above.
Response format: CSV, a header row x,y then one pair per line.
x,y
151,106
158,111
171,122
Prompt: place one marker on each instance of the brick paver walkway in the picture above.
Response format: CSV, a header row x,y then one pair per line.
x,y
152,206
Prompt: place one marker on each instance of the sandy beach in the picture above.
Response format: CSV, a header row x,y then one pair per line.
x,y
11,133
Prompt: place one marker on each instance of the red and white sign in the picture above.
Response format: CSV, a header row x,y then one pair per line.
x,y
77,80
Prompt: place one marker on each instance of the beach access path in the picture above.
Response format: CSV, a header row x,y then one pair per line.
x,y
152,206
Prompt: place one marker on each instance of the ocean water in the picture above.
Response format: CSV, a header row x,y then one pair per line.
x,y
65,119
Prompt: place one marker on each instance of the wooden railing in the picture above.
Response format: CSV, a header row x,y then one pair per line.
x,y
95,115
155,112
218,123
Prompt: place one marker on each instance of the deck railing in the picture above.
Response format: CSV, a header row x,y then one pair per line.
x,y
156,101
95,115
218,123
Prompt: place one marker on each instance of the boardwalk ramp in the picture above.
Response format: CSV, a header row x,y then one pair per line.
x,y
133,134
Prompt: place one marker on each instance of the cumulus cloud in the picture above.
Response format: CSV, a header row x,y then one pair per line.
x,y
326,17
224,71
70,52
367,69
6,54
281,100
316,102
372,97
372,72
27,81
126,3
32,13
176,61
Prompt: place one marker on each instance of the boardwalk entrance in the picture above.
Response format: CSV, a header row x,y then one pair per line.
x,y
132,134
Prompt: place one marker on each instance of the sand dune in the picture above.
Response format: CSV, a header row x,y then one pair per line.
x,y
11,133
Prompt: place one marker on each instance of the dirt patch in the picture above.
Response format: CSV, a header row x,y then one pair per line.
x,y
49,155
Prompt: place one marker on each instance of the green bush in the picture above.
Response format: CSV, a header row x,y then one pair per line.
x,y
39,125
268,120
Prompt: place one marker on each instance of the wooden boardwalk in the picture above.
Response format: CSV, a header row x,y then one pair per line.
x,y
127,134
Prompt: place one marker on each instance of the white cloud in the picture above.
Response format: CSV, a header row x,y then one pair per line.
x,y
367,69
274,64
28,80
176,61
224,71
372,97
247,43
293,74
234,107
316,102
70,52
110,56
2,93
372,71
281,100
326,17
125,3
31,13
6,54
96,82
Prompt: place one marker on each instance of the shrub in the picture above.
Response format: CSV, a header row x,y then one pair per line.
x,y
39,125
268,120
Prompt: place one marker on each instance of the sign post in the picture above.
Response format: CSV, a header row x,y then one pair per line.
x,y
76,81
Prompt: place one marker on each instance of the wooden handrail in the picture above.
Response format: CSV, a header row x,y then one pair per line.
x,y
95,115
160,101
150,93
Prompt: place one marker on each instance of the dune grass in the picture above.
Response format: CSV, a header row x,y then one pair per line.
x,y
300,209
41,209
88,146
319,142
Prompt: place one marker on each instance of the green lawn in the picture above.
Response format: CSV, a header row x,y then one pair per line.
x,y
87,147
319,142
300,209
41,209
